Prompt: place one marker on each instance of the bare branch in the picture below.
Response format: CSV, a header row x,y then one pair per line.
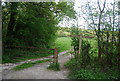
x,y
103,6
99,5
101,10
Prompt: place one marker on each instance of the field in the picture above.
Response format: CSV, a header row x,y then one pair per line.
x,y
63,43
16,55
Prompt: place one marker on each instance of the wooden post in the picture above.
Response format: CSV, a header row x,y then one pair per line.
x,y
80,44
55,55
80,40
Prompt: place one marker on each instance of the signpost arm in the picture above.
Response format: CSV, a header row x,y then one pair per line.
x,y
80,40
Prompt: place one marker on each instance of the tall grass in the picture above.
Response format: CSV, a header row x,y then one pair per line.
x,y
63,43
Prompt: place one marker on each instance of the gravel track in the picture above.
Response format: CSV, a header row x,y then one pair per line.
x,y
40,71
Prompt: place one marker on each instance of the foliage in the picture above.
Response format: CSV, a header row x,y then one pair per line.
x,y
54,66
75,40
90,71
85,53
71,64
30,64
102,18
84,56
30,24
88,67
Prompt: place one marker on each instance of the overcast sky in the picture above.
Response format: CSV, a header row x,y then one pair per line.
x,y
78,3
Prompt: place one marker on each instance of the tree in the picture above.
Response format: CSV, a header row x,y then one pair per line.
x,y
13,13
30,24
103,20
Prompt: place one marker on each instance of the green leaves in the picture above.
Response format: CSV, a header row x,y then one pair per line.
x,y
35,23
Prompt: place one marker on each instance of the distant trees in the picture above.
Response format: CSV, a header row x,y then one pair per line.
x,y
33,24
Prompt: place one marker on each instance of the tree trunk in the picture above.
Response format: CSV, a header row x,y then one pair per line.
x,y
98,35
11,24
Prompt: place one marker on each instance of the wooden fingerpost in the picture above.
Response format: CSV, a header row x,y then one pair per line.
x,y
55,55
80,40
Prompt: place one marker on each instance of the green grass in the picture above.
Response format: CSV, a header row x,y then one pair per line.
x,y
17,55
42,61
30,64
63,43
23,66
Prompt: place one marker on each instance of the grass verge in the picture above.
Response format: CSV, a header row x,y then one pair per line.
x,y
54,66
30,64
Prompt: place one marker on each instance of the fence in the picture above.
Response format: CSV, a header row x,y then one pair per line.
x,y
55,51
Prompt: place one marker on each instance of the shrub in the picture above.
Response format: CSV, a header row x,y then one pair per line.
x,y
90,72
85,55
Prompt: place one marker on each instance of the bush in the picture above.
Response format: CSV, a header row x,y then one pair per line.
x,y
92,71
71,64
85,55
83,74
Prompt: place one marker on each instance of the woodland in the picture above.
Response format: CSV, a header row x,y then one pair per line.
x,y
35,24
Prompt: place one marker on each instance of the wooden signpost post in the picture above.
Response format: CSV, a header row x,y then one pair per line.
x,y
80,40
55,55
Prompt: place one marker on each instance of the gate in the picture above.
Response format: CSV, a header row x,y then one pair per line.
x,y
55,51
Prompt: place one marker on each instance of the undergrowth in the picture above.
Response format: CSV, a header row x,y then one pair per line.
x,y
91,71
87,66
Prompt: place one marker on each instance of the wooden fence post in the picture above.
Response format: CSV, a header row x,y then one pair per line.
x,y
80,44
55,55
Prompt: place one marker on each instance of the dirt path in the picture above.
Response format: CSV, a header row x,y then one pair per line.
x,y
40,71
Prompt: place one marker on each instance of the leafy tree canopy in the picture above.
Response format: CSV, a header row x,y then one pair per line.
x,y
33,24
